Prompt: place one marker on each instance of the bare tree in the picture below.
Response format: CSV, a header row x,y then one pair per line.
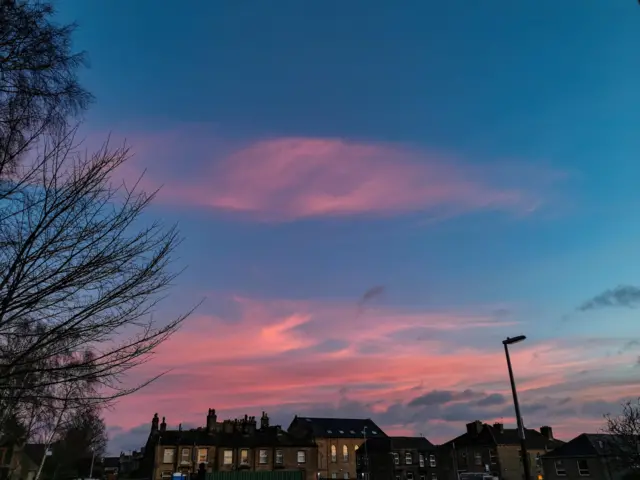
x,y
79,278
624,446
39,88
81,272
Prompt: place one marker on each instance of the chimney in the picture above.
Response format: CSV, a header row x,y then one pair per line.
x,y
547,432
163,425
499,427
264,420
211,420
154,423
474,428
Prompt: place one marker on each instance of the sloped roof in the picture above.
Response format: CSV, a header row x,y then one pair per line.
x,y
589,445
396,443
339,427
269,437
491,435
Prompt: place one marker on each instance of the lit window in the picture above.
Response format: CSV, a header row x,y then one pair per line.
x,y
244,456
302,456
421,460
203,455
228,457
263,457
186,455
396,458
583,468
334,454
168,455
279,457
407,458
432,460
477,458
560,470
345,453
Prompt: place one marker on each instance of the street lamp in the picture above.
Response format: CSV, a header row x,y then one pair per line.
x,y
523,447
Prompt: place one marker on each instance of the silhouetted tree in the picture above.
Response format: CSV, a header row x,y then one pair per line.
x,y
81,272
625,445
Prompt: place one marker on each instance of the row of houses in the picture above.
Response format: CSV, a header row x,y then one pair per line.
x,y
347,448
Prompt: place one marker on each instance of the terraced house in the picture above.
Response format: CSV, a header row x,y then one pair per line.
x,y
496,450
338,440
227,446
397,458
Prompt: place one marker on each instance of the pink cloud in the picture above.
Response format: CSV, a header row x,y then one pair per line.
x,y
292,355
290,178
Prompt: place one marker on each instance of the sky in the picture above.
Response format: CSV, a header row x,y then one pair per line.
x,y
374,194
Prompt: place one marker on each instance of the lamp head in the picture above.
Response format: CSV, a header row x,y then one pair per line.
x,y
511,341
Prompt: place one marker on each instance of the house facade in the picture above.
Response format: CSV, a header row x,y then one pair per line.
x,y
496,450
230,445
596,456
397,458
338,441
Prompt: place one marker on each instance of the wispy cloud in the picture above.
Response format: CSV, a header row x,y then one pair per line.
x,y
622,296
289,178
296,356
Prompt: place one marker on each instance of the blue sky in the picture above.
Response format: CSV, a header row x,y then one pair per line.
x,y
537,98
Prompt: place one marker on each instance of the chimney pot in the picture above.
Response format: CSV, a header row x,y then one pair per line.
x,y
474,428
547,432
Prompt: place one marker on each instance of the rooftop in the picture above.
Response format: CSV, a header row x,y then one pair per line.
x,y
338,427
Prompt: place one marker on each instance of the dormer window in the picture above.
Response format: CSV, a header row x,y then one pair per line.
x,y
374,432
329,432
352,432
340,431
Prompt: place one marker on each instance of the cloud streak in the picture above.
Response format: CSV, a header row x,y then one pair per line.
x,y
291,357
627,296
291,178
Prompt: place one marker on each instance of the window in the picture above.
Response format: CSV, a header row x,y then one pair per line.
x,y
345,453
421,460
329,431
432,461
583,468
352,432
434,476
168,455
334,475
409,475
334,454
279,457
560,470
422,477
228,457
186,455
346,475
302,456
263,457
493,457
166,474
477,458
244,457
397,477
538,460
203,455
407,458
396,458
341,432
374,432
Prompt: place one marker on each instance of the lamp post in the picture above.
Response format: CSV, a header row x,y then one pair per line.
x,y
523,447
